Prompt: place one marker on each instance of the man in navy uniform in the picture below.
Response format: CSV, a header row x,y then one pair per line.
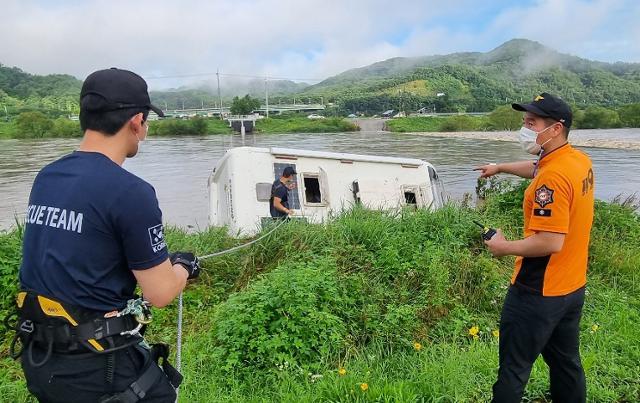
x,y
93,233
279,201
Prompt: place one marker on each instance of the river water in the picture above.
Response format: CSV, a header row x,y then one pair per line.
x,y
178,168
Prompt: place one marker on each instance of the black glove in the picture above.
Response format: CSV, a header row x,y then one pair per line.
x,y
187,260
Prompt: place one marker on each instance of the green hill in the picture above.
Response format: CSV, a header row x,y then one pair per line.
x,y
516,70
56,94
469,81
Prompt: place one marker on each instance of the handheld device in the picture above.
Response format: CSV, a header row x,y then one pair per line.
x,y
487,233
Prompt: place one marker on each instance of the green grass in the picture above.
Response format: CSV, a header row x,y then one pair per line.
x,y
276,321
414,124
304,125
7,130
437,124
217,126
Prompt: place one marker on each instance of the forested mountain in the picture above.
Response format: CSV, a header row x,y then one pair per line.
x,y
516,70
23,91
207,94
471,81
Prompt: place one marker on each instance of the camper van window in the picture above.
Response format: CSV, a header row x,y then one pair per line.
x,y
410,198
312,192
263,191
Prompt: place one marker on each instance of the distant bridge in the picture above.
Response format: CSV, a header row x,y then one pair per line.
x,y
215,111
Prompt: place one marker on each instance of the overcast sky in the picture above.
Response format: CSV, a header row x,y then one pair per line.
x,y
295,39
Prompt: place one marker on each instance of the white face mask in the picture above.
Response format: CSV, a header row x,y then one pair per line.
x,y
141,140
527,138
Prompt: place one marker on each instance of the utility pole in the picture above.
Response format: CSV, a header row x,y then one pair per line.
x,y
219,97
266,95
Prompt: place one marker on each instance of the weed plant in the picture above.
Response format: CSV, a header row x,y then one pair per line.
x,y
376,306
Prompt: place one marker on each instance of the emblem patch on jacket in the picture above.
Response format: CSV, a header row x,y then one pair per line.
x,y
156,235
542,212
544,196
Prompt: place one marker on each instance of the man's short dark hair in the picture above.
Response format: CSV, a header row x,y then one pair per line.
x,y
551,121
109,122
288,172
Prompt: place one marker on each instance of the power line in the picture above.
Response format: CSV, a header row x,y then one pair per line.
x,y
231,75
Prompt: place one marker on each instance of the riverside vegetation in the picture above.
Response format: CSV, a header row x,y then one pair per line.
x,y
376,307
505,118
38,125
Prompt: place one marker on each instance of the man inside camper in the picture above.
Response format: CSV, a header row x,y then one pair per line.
x,y
279,201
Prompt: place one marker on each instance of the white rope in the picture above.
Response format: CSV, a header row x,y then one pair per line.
x,y
179,341
235,248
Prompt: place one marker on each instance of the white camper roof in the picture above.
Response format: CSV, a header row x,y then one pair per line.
x,y
292,152
345,156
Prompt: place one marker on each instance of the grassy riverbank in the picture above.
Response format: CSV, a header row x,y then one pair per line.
x,y
301,124
42,127
504,118
377,307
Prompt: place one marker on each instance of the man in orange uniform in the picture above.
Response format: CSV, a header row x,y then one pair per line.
x,y
543,307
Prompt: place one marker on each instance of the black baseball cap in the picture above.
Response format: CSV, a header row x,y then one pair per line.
x,y
115,89
548,106
288,171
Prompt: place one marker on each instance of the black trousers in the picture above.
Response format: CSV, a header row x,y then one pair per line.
x,y
84,377
531,325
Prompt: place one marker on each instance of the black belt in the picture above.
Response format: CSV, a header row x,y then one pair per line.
x,y
65,335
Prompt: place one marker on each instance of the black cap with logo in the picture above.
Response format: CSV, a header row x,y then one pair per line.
x,y
115,89
548,106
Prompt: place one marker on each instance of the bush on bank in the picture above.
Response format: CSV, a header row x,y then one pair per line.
x,y
394,299
505,118
301,124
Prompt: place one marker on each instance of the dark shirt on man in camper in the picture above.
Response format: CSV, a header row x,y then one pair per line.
x,y
278,189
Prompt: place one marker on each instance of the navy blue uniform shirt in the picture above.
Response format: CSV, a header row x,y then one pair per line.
x,y
89,223
279,190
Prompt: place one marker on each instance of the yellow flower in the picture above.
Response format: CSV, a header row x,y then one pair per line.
x,y
474,330
595,328
342,372
364,387
496,333
417,346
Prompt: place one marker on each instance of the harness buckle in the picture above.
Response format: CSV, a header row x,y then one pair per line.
x,y
27,326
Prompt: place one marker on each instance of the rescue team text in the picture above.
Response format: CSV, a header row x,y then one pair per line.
x,y
55,217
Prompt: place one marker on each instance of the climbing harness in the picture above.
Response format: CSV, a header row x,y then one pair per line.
x,y
46,323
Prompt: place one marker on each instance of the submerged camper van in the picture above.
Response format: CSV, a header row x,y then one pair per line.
x,y
326,183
